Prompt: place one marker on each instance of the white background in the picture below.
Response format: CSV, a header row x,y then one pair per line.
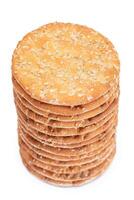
x,y
114,19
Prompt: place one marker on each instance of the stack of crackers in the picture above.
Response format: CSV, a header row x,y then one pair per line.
x,y
66,89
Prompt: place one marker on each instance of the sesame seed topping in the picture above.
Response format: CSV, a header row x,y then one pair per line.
x,y
65,64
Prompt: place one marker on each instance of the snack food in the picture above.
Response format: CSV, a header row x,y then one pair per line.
x,y
66,91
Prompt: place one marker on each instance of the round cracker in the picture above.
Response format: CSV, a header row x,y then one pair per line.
x,y
62,110
63,118
97,137
66,151
94,173
65,64
98,159
53,131
69,140
65,160
67,133
59,124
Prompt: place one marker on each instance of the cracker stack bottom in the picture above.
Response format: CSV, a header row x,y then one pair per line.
x,y
66,89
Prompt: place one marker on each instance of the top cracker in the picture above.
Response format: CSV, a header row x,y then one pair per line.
x,y
65,64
